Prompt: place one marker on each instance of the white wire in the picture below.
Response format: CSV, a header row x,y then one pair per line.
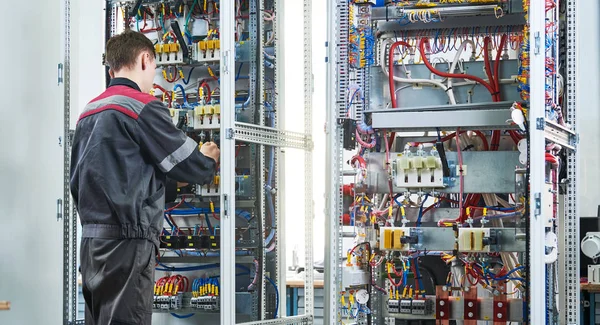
x,y
415,81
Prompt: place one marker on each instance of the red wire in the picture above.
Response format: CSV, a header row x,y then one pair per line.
x,y
486,146
450,75
391,82
488,68
163,90
205,85
497,65
393,281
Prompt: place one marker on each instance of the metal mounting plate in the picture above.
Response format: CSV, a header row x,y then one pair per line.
x,y
486,116
560,135
272,137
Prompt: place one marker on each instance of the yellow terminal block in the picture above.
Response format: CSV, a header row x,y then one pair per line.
x,y
174,47
218,44
210,45
202,45
397,240
172,111
158,48
471,239
217,179
217,108
199,110
387,238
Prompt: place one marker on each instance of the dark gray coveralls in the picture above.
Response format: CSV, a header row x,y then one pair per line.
x,y
125,147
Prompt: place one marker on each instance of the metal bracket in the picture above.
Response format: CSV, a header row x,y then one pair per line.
x,y
225,62
537,43
574,139
59,206
71,136
225,205
272,137
538,204
229,133
60,70
540,123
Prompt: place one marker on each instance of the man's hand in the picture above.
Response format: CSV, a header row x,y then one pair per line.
x,y
211,150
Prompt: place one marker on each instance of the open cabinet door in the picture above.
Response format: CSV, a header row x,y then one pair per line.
x,y
31,167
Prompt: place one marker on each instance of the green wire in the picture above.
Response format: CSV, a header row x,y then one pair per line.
x,y
189,15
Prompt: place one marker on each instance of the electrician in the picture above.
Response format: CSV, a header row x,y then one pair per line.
x,y
124,149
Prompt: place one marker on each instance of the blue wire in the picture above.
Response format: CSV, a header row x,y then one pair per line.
x,y
276,296
352,99
182,316
189,77
239,71
185,103
421,210
418,275
504,277
210,228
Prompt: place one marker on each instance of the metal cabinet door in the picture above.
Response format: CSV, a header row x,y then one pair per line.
x,y
31,167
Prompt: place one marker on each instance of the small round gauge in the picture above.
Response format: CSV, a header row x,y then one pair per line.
x,y
362,296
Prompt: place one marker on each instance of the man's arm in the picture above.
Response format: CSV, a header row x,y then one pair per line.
x,y
170,149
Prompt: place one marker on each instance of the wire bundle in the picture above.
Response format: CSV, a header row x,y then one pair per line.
x,y
171,285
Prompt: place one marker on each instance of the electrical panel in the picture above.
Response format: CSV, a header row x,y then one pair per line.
x,y
447,135
202,48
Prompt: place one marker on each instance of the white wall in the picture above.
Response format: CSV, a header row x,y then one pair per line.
x,y
588,105
294,97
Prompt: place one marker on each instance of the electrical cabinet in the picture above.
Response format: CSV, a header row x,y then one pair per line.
x,y
220,73
448,125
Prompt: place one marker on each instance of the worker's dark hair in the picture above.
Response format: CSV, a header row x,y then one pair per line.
x,y
122,50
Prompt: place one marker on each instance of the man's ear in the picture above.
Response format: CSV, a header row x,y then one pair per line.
x,y
111,73
144,60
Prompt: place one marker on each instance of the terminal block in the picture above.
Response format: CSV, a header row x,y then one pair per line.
x,y
207,117
190,242
210,303
207,51
410,306
419,171
396,238
211,189
168,54
473,240
176,301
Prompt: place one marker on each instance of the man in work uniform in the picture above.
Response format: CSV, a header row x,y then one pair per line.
x,y
124,150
